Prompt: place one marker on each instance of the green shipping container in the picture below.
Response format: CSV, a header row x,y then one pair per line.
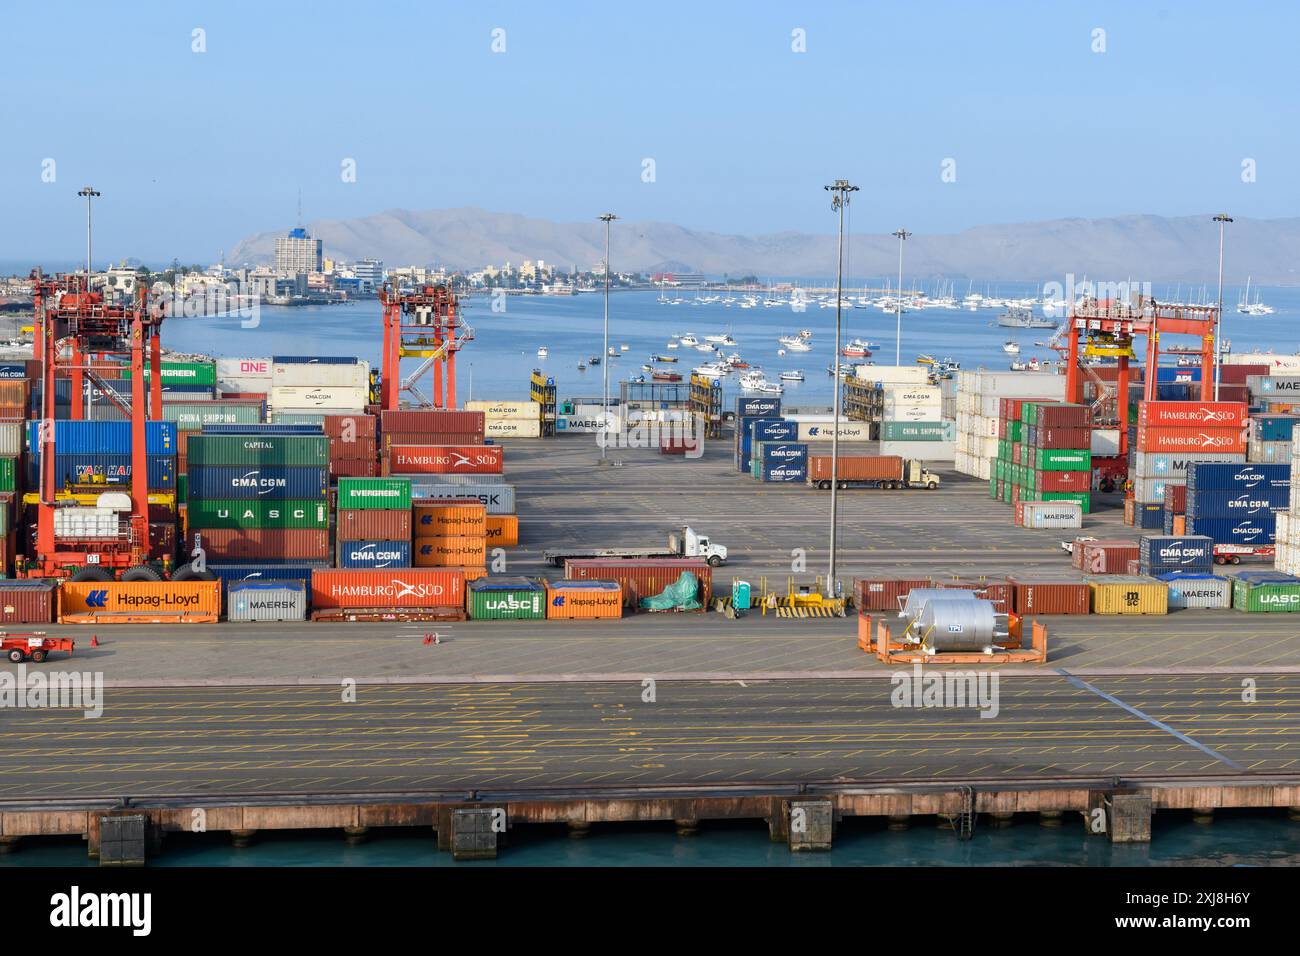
x,y
505,599
199,374
1006,491
230,513
258,450
376,493
192,416
304,418
1249,596
918,431
1060,459
1014,431
1084,498
182,487
994,490
8,474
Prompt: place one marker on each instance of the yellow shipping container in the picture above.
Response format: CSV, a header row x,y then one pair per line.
x,y
502,531
449,519
523,411
568,600
127,602
1121,594
443,552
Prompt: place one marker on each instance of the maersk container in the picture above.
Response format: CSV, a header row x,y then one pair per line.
x,y
1159,554
254,450
97,438
500,599
273,482
1051,514
374,554
266,601
498,499
1236,503
1256,531
1265,591
1203,476
1197,590
385,493
208,513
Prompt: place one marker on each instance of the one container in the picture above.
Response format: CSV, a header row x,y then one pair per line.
x,y
469,551
107,602
1033,595
1200,591
387,493
583,600
641,578
452,518
1124,594
266,601
369,524
395,588
25,601
374,554
505,599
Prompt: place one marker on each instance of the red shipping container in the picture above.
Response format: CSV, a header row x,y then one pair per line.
x,y
998,592
1049,481
1062,415
1015,454
356,426
359,447
856,467
884,594
1048,596
221,544
1133,566
1237,374
1235,393
29,604
1176,498
1109,557
1193,414
446,460
373,524
354,468
1055,437
1228,441
387,587
641,579
431,438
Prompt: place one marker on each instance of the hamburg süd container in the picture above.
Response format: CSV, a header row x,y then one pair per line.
x,y
388,588
256,450
445,459
469,551
386,493
266,601
583,600
502,598
1193,414
452,518
106,602
1124,594
27,601
642,578
1046,595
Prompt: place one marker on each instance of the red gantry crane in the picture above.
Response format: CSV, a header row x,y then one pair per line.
x,y
424,324
75,328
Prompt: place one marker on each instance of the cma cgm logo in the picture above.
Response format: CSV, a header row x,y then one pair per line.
x,y
1244,501
1246,529
1250,478
371,554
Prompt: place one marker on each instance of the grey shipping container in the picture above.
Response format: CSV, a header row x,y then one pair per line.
x,y
266,601
499,499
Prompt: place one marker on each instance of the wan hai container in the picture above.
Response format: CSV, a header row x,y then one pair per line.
x,y
1121,594
266,601
505,599
583,600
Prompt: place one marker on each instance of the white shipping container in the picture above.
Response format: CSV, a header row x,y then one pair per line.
x,y
1152,464
1207,592
512,428
912,394
911,413
1269,452
1052,514
12,439
316,398
1045,385
1149,490
585,424
849,431
244,374
991,406
1105,441
984,447
320,375
892,374
920,450
527,411
1288,363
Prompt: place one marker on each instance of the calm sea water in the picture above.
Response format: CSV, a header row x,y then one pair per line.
x,y
1234,839
498,363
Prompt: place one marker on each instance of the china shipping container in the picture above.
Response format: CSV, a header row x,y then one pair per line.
x,y
380,493
583,600
641,579
254,450
104,602
884,594
374,554
501,599
1197,590
27,601
443,552
371,524
445,459
1124,594
266,601
273,482
856,467
502,531
272,545
1046,595
467,516
383,588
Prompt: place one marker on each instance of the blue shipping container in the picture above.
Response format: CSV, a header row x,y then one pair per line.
x,y
1160,553
1275,427
269,481
1177,373
95,438
757,407
1151,515
315,360
108,469
1230,504
783,471
778,430
257,572
785,453
750,425
1256,531
1211,476
226,428
374,554
13,371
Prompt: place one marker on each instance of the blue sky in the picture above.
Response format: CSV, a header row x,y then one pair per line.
x,y
193,151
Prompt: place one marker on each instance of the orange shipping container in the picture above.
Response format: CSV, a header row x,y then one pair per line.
x,y
502,531
387,587
450,517
571,600
1174,438
467,551
125,602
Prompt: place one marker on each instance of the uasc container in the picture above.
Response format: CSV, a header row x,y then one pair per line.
x,y
498,599
1269,591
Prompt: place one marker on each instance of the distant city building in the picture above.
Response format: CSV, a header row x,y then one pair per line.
x,y
298,252
369,273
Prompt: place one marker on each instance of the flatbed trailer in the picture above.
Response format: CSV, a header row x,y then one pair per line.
x,y
35,645
685,543
1233,553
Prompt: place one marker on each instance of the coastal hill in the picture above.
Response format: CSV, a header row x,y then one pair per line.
x,y
1137,247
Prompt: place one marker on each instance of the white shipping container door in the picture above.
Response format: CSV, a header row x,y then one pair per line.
x,y
512,428
319,398
321,375
984,447
12,439
991,406
1105,441
987,427
983,468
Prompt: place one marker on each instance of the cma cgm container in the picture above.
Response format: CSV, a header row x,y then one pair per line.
x,y
410,588
1122,594
505,599
1197,590
25,601
256,450
1159,554
107,602
583,600
641,578
1265,591
266,601
1237,503
374,554
385,493
270,545
445,459
275,482
1205,476
1049,596
884,594
453,518
1257,531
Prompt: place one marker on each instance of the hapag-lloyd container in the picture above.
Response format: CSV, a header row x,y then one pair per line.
x,y
1203,476
256,513
583,600
1124,594
27,601
443,552
372,524
501,531
1265,591
1197,415
505,599
266,601
388,588
374,554
1160,554
446,460
269,545
257,450
105,602
821,431
641,579
450,518
1197,590
1034,596
379,493
270,482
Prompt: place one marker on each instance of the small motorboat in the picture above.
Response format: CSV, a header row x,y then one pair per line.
x,y
582,367
792,376
542,353
663,358
856,349
1011,347
662,375
594,360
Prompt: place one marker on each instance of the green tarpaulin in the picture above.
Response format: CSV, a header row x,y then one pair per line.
x,y
680,594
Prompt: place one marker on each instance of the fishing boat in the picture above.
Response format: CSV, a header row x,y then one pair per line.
x,y
673,345
664,358
661,375
582,367
542,353
856,349
925,359
1011,347
594,360
792,376
613,352
711,370
735,361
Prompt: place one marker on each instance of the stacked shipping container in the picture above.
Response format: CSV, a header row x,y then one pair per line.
x,y
373,526
979,397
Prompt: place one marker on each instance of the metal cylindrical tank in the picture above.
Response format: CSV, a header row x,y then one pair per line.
x,y
970,625
918,598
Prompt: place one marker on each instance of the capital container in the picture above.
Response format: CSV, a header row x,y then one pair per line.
x,y
498,499
1237,503
272,482
96,438
1256,531
1269,591
1124,594
374,554
1250,476
256,450
257,513
389,587
884,594
383,493
505,599
583,600
27,601
1108,557
501,531
1192,414
641,578
1159,554
467,516
445,459
266,601
269,545
1200,590
372,524
106,602
1048,595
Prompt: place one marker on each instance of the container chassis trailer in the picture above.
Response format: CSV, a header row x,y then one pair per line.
x,y
33,645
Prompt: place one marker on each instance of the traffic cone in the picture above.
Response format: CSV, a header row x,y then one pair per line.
x,y
428,639
94,640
